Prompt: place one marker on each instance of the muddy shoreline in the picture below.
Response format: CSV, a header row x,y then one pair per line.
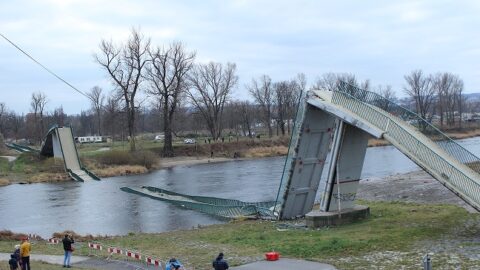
x,y
416,186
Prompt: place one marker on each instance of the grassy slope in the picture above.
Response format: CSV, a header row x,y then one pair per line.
x,y
396,227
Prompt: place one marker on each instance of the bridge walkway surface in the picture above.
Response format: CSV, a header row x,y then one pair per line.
x,y
448,162
59,143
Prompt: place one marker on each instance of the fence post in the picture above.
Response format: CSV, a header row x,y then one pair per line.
x,y
427,262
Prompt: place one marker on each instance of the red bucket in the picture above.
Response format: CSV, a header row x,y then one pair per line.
x,y
272,256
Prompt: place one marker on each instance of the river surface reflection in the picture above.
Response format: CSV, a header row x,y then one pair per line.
x,y
101,208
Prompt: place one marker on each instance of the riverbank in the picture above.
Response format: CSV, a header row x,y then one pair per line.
x,y
396,236
113,161
411,214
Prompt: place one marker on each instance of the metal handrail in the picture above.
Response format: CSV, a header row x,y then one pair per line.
x,y
452,176
442,140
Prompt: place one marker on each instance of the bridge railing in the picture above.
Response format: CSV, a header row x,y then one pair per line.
x,y
443,141
453,177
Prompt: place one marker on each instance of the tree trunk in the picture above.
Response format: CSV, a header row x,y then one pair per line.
x,y
167,129
131,127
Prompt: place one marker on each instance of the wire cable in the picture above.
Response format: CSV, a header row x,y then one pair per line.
x,y
44,67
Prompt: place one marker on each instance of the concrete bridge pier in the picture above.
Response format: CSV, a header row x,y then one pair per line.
x,y
337,204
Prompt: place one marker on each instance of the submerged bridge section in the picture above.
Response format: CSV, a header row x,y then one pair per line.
x,y
21,148
59,143
333,129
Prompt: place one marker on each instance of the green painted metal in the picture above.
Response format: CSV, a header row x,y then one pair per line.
x,y
21,148
451,164
74,176
447,161
47,149
211,205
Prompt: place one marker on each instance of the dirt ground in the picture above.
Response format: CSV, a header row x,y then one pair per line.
x,y
417,186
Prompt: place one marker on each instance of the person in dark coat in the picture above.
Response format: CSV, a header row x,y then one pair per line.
x,y
219,263
16,253
13,262
68,248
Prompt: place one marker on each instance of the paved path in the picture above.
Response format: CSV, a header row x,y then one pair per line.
x,y
9,158
285,264
83,261
52,259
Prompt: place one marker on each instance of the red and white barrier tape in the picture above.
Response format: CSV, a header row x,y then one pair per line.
x,y
115,250
134,255
95,246
150,260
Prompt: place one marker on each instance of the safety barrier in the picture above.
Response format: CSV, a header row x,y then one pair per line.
x,y
135,255
113,250
154,262
125,255
122,254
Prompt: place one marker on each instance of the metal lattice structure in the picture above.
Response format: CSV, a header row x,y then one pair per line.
x,y
339,123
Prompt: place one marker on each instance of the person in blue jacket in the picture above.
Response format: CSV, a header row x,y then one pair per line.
x,y
174,264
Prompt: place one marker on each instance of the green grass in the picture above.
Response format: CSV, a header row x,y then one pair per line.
x,y
396,227
4,166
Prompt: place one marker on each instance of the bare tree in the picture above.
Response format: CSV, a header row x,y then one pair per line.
x,y
419,88
448,88
330,81
37,104
247,112
111,114
387,93
167,74
459,98
125,64
59,116
298,86
212,84
3,114
282,92
327,81
97,101
263,93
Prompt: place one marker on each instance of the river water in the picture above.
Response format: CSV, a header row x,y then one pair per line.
x,y
101,208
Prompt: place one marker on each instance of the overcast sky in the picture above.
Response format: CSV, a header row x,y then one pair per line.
x,y
377,40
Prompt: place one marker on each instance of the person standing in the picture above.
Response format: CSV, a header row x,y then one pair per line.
x,y
18,258
68,248
13,262
219,263
25,249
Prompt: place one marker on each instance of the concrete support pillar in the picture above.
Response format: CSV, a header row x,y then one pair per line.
x,y
345,168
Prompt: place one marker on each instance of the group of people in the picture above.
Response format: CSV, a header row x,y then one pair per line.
x,y
20,258
218,264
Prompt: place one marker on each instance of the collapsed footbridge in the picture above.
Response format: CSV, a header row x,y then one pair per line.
x,y
59,143
326,155
335,127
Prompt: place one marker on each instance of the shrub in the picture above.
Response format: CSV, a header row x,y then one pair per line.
x,y
118,157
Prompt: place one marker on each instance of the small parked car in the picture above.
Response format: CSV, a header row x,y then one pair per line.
x,y
189,141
